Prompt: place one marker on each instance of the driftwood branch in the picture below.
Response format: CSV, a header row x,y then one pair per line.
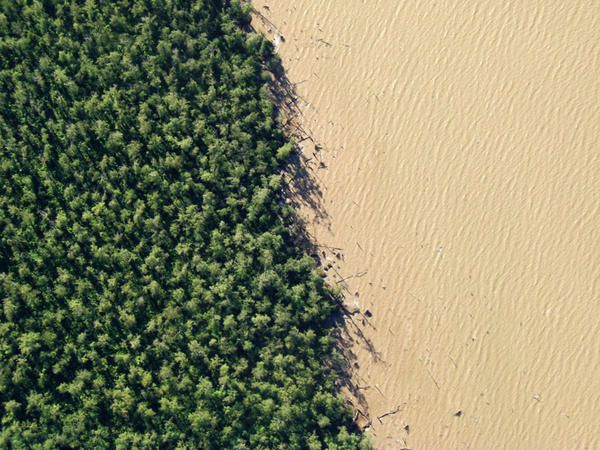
x,y
389,413
358,275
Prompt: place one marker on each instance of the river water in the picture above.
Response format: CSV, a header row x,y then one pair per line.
x,y
460,176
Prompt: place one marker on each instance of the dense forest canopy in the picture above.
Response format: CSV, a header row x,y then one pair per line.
x,y
150,294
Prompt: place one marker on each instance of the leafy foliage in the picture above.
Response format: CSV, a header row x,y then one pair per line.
x,y
150,294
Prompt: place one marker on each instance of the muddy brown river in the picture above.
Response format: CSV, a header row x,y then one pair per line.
x,y
460,178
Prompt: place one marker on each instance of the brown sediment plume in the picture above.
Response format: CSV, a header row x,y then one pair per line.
x,y
454,149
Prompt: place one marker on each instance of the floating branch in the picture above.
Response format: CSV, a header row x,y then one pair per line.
x,y
390,413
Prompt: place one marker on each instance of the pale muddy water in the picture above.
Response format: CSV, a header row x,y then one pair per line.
x,y
461,172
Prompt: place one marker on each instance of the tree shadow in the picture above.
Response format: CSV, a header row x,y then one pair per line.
x,y
303,192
